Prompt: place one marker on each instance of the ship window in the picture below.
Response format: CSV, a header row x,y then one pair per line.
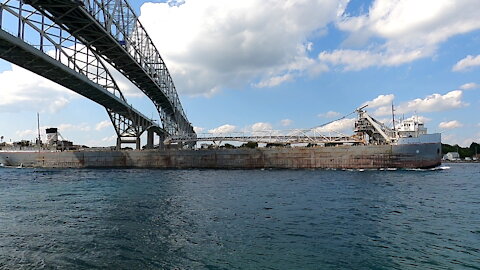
x,y
438,151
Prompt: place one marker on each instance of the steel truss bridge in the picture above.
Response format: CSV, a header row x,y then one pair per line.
x,y
75,43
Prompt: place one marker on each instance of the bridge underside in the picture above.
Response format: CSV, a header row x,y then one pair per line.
x,y
72,42
81,25
125,57
22,54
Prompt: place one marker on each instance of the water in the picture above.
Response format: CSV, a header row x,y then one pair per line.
x,y
205,219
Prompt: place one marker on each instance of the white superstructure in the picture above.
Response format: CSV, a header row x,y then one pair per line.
x,y
408,131
411,127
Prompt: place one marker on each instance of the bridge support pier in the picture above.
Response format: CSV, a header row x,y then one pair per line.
x,y
161,137
135,141
150,139
119,143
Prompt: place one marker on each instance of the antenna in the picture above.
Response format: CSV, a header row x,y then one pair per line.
x,y
39,141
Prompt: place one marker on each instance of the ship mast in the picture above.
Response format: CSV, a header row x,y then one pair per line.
x,y
393,117
39,139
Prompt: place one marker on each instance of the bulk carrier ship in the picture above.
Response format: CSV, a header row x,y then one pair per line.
x,y
373,146
88,35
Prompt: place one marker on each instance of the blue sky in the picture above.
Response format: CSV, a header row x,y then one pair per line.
x,y
263,64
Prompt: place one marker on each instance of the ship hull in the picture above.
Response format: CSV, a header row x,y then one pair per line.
x,y
425,155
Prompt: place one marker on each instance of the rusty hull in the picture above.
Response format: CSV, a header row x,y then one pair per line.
x,y
339,157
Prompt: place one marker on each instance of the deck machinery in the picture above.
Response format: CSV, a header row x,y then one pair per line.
x,y
367,131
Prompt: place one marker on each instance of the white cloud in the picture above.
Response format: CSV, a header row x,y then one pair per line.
x,y
450,125
22,90
329,114
215,44
449,139
110,139
274,81
103,125
468,141
126,86
467,63
387,120
33,133
71,127
223,129
198,129
42,95
381,100
357,60
286,122
464,141
431,103
401,31
469,86
27,134
344,125
261,129
261,126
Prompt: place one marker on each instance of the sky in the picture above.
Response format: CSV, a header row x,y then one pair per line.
x,y
256,65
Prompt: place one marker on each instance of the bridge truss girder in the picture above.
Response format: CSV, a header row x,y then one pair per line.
x,y
111,28
30,40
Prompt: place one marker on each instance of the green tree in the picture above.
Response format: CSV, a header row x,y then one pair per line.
x,y
250,145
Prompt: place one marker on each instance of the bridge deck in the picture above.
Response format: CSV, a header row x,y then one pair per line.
x,y
81,24
22,54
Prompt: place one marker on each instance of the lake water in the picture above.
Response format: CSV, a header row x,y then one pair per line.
x,y
261,219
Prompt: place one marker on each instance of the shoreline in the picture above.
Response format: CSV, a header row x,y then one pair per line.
x,y
460,161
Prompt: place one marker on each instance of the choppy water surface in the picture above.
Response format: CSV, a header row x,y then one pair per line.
x,y
194,219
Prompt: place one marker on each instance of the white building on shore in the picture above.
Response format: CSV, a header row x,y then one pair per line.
x,y
451,156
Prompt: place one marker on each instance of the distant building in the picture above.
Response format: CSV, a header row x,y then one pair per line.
x,y
451,156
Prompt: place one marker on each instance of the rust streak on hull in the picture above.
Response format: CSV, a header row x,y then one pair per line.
x,y
340,157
